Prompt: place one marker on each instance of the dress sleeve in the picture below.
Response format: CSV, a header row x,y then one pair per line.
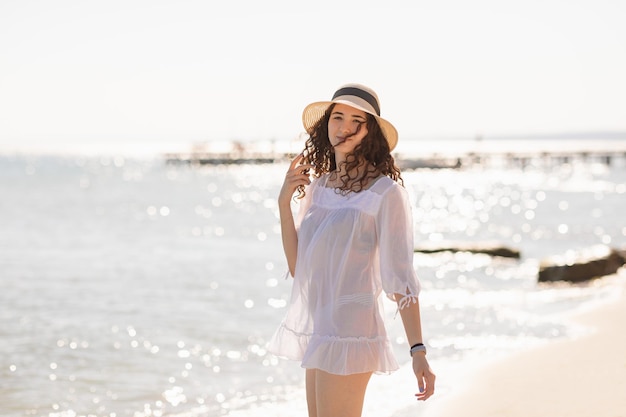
x,y
395,228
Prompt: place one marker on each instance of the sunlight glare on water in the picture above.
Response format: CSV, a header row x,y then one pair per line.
x,y
135,288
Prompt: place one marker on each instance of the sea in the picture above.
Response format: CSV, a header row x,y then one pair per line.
x,y
135,287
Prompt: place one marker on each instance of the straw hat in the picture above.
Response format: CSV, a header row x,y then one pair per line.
x,y
355,95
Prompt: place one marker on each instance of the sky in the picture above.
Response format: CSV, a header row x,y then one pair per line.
x,y
75,73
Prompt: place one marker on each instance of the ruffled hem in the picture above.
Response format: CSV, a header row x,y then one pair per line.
x,y
289,344
335,355
353,355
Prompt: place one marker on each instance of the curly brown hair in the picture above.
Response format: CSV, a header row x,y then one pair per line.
x,y
372,153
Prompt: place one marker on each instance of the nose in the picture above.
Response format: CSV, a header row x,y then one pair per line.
x,y
345,127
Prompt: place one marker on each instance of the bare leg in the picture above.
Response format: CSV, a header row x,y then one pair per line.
x,y
310,392
330,395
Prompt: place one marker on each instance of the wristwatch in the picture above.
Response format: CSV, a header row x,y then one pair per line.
x,y
418,347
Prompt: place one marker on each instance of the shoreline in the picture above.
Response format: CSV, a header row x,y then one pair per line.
x,y
575,377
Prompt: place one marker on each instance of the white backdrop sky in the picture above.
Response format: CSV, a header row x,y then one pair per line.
x,y
179,71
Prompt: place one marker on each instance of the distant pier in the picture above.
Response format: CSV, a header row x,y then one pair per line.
x,y
443,154
229,153
511,159
221,159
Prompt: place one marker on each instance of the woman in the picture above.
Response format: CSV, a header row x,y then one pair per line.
x,y
352,239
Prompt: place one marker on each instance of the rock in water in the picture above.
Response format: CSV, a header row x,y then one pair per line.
x,y
585,265
489,248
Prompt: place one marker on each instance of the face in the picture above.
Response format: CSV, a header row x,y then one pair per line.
x,y
346,128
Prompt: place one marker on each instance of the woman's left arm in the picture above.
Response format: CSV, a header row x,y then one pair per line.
x,y
412,322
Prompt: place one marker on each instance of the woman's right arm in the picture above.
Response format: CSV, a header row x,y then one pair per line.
x,y
296,175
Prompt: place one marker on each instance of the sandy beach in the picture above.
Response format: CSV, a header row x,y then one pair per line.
x,y
581,377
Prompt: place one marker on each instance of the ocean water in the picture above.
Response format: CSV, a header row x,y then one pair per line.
x,y
135,288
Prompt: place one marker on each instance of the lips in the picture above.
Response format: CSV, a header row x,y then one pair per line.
x,y
340,140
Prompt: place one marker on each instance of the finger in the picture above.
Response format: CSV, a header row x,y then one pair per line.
x,y
300,171
427,390
305,169
297,178
420,386
423,396
298,175
295,161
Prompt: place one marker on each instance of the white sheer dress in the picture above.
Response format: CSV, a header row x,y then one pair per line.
x,y
351,248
